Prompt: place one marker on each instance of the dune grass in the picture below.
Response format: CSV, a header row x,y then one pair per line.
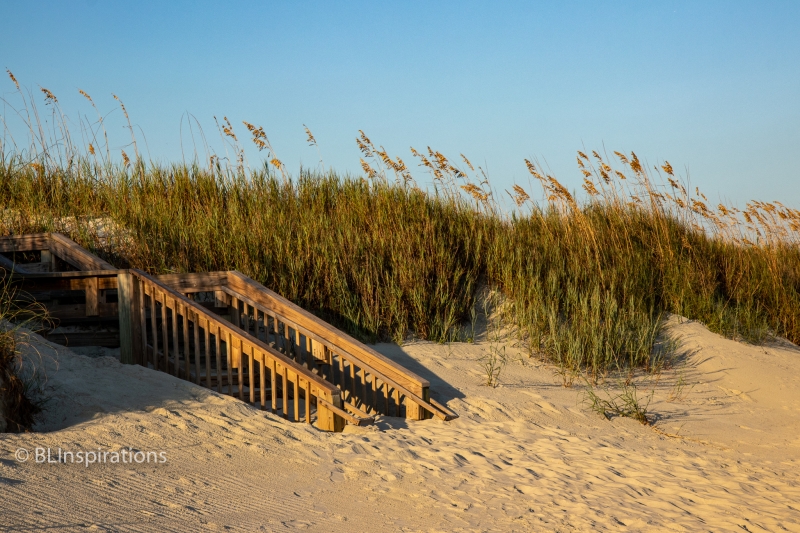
x,y
587,281
21,401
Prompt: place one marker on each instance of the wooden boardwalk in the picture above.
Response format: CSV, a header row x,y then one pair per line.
x,y
220,330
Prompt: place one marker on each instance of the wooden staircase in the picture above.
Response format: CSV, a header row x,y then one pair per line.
x,y
220,330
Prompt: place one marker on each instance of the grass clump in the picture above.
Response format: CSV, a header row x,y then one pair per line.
x,y
627,403
587,281
20,399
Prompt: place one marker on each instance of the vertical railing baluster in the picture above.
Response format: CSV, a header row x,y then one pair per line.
x,y
164,336
229,356
251,374
296,397
186,348
154,325
285,392
206,338
308,402
219,359
262,381
274,384
175,344
196,331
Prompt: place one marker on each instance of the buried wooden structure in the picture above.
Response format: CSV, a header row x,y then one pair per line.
x,y
220,330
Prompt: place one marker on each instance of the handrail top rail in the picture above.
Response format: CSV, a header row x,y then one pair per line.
x,y
76,274
31,240
69,250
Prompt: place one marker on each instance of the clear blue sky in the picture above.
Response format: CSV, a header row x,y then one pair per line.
x,y
710,86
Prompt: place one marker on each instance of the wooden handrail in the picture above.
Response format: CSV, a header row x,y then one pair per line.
x,y
237,332
75,255
316,386
400,379
243,289
353,419
58,244
260,294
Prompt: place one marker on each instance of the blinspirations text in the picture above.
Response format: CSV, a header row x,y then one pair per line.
x,y
84,457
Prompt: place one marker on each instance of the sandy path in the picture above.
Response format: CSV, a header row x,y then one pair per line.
x,y
526,456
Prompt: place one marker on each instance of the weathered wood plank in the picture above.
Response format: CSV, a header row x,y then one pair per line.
x,y
90,287
25,243
142,359
11,266
47,258
129,319
199,282
331,416
106,339
33,268
70,252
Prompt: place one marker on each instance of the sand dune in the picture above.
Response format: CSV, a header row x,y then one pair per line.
x,y
525,456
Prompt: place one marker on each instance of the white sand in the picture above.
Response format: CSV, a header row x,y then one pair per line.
x,y
526,456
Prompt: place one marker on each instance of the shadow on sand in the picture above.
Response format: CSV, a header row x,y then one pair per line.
x,y
441,390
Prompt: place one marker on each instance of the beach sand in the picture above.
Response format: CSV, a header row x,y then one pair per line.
x,y
527,455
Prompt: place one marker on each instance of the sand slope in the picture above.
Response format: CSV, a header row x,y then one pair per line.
x,y
525,456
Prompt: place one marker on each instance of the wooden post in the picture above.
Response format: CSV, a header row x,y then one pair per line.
x,y
90,288
414,411
130,323
141,357
220,299
234,312
48,259
327,420
164,331
154,325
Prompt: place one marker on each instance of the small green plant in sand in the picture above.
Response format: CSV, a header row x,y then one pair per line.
x,y
625,403
493,363
680,388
